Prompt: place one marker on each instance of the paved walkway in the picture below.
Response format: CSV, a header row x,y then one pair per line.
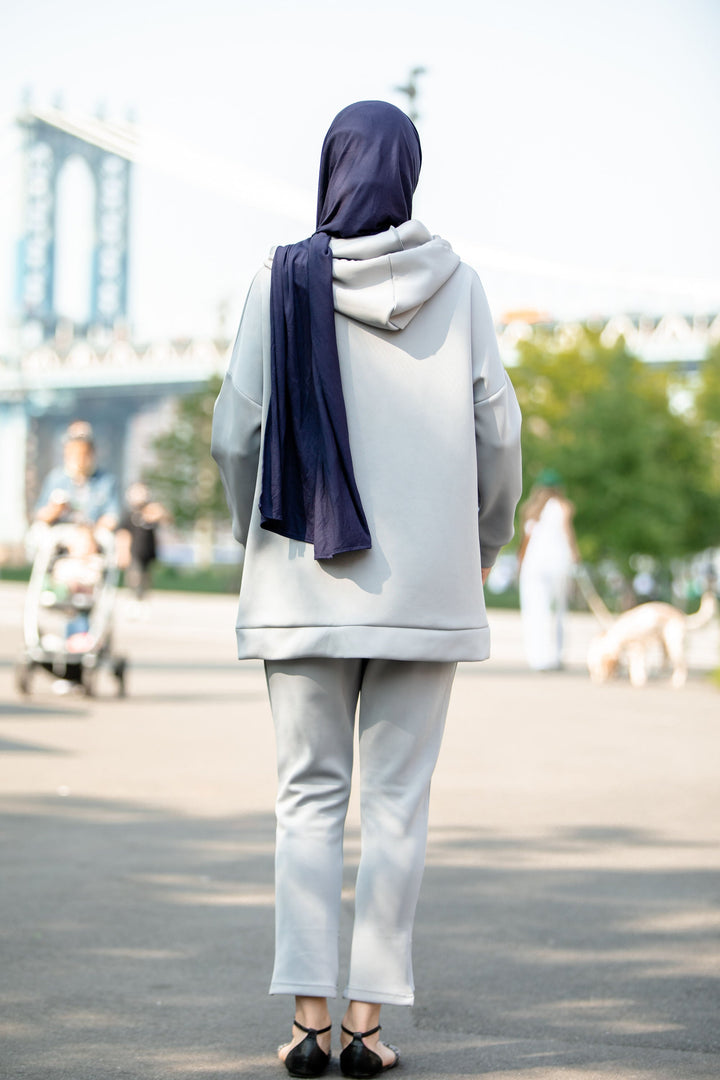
x,y
569,921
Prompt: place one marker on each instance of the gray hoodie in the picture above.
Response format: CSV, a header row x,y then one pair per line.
x,y
434,431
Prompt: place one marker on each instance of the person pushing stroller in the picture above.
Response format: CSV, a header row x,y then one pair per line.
x,y
69,605
78,490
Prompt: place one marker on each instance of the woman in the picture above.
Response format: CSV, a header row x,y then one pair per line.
x,y
548,554
364,418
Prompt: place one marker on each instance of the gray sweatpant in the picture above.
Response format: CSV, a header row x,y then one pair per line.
x,y
402,712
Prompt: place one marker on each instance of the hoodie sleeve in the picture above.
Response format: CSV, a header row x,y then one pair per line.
x,y
237,417
497,434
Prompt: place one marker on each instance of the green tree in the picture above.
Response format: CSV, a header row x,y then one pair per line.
x,y
707,405
640,475
708,397
183,475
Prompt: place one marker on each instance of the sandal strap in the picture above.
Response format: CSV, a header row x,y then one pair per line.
x,y
312,1031
361,1034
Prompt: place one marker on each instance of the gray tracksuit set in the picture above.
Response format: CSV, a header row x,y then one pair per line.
x,y
434,431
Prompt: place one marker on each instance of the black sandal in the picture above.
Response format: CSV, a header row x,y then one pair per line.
x,y
358,1061
307,1059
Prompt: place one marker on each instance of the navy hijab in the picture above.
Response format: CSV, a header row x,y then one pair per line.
x,y
369,169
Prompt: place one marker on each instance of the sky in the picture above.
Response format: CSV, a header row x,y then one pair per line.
x,y
570,149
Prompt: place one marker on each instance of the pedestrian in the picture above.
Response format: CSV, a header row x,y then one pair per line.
x,y
364,417
137,539
78,490
548,554
77,493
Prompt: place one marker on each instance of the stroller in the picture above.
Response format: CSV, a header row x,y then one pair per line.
x,y
69,608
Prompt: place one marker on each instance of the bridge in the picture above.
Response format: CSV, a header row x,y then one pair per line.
x,y
127,389
174,366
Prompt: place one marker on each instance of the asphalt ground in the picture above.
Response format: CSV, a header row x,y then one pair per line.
x,y
569,924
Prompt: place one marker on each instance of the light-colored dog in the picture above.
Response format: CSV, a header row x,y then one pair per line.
x,y
633,633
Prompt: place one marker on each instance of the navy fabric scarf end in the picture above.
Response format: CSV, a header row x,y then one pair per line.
x,y
369,169
309,491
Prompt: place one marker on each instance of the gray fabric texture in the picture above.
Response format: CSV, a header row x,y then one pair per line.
x,y
434,431
401,717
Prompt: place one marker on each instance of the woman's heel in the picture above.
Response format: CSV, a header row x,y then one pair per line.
x,y
307,1059
358,1061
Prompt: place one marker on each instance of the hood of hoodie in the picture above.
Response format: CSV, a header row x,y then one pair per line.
x,y
383,280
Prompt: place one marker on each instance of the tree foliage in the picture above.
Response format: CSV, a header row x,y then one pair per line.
x,y
183,476
640,474
645,479
708,398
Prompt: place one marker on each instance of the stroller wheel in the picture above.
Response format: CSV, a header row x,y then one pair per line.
x,y
23,671
119,669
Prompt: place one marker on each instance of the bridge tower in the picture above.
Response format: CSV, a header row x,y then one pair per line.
x,y
52,139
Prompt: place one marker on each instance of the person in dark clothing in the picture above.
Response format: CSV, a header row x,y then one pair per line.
x,y
137,538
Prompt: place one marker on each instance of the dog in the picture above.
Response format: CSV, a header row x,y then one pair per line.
x,y
630,636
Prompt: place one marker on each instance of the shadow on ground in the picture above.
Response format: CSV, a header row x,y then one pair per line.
x,y
138,943
524,943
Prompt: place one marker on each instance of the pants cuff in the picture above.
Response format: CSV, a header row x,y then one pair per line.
x,y
377,997
304,989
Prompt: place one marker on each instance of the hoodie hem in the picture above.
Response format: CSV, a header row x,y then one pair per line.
x,y
366,642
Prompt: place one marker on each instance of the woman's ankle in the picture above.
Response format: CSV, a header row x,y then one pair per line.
x,y
362,1016
312,1012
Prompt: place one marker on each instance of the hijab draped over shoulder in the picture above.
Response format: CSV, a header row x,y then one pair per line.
x,y
369,169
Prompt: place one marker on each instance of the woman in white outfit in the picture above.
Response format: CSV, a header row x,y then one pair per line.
x,y
548,554
368,441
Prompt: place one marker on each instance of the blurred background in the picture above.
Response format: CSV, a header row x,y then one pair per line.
x,y
151,155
